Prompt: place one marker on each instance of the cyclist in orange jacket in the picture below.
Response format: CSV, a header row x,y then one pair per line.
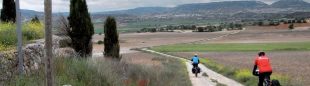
x,y
264,68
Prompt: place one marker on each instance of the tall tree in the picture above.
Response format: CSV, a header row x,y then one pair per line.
x,y
8,12
48,43
82,28
111,42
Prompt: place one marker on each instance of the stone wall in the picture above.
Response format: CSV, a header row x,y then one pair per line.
x,y
33,54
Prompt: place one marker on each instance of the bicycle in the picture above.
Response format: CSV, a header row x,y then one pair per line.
x,y
267,81
196,71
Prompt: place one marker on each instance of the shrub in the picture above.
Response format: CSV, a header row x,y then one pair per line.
x,y
291,26
33,31
8,34
8,37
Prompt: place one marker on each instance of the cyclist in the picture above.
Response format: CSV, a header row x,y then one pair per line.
x,y
195,61
262,68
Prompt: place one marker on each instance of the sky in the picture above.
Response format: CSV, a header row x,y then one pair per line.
x,y
111,5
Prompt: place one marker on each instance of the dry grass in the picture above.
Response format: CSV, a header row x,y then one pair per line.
x,y
147,69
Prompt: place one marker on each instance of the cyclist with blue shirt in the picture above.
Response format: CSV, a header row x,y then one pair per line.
x,y
195,61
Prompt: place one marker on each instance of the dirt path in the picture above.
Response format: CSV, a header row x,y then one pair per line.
x,y
211,79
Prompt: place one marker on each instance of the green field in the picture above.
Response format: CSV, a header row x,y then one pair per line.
x,y
291,46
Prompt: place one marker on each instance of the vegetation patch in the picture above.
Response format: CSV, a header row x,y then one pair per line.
x,y
243,76
292,46
86,72
8,36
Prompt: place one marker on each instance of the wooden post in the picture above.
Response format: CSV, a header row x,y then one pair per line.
x,y
48,43
19,38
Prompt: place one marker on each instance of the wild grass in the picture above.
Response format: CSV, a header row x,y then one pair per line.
x,y
243,76
291,46
8,36
87,72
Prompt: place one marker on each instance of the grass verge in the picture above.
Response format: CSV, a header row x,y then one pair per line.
x,y
292,46
243,76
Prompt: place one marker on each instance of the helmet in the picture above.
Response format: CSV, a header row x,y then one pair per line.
x,y
195,54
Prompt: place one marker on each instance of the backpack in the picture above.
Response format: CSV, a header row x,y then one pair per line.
x,y
275,83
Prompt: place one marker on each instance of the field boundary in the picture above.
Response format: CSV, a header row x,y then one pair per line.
x,y
212,79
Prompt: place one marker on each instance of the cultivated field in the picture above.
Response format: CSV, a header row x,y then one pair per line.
x,y
288,50
254,34
139,40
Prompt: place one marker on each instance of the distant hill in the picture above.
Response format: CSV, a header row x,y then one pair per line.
x,y
299,4
215,10
139,11
226,5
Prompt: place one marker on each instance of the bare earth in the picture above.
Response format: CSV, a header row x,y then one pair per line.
x,y
139,40
255,34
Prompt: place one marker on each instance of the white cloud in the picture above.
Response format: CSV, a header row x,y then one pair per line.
x,y
107,5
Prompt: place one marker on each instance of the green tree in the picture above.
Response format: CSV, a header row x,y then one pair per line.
x,y
82,29
8,12
35,19
111,42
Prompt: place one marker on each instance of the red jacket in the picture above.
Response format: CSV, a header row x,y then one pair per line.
x,y
263,64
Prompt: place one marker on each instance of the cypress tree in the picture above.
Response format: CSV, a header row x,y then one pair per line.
x,y
81,26
111,42
8,12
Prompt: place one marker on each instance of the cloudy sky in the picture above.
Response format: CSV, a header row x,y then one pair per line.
x,y
108,5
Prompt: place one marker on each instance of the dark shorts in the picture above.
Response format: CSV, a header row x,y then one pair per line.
x,y
195,64
262,76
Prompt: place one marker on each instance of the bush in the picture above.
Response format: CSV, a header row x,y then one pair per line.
x,y
8,36
33,31
291,26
